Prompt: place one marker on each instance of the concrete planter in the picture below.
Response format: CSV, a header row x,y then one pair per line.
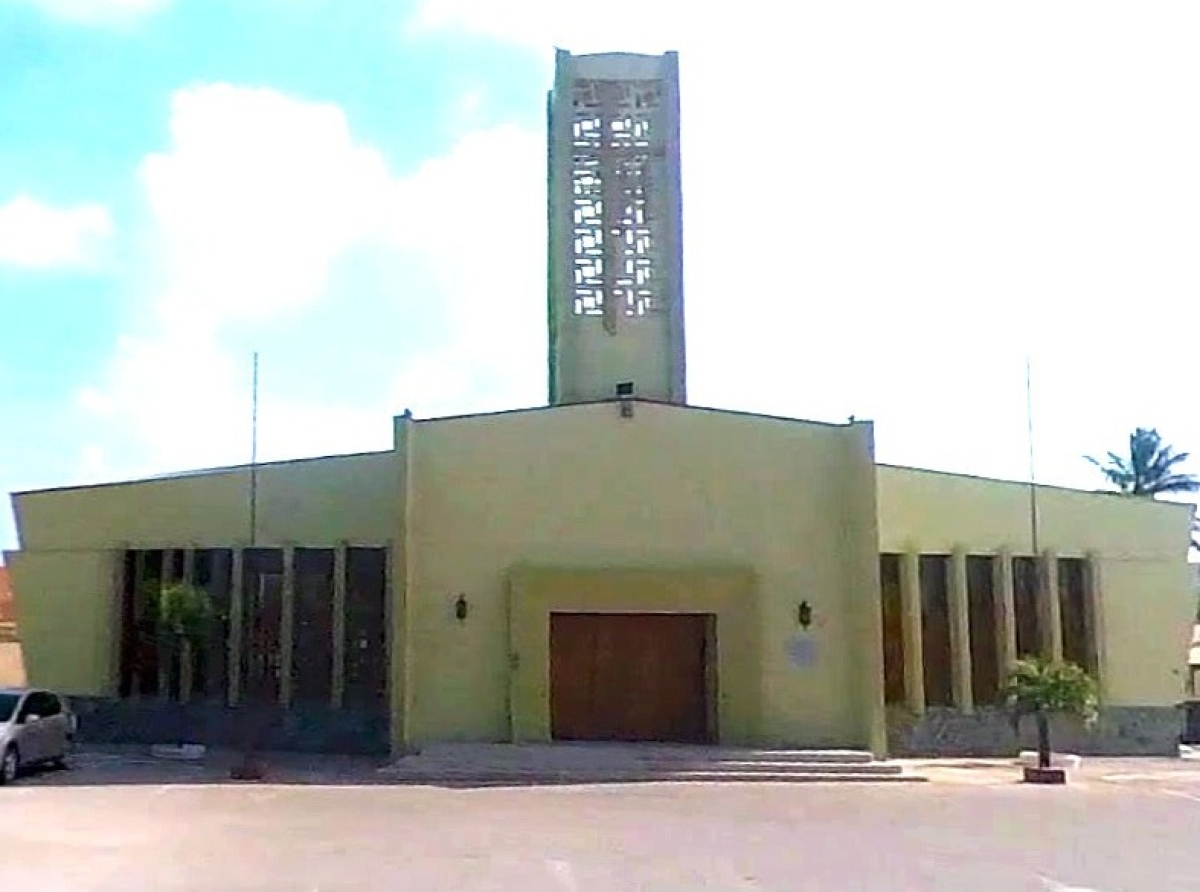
x,y
179,752
1191,722
1067,761
250,768
1049,776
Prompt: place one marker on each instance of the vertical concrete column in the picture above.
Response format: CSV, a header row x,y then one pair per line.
x,y
390,570
116,619
237,623
399,607
960,631
287,625
139,585
860,502
1094,598
1006,611
1050,608
910,605
337,685
187,658
164,667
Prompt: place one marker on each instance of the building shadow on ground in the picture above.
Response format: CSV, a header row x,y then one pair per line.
x,y
135,766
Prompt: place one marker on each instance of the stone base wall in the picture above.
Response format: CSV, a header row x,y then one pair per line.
x,y
314,729
1120,731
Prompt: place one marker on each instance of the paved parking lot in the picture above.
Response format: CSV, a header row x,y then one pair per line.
x,y
120,822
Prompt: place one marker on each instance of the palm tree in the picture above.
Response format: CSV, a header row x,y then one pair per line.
x,y
1150,469
185,620
1041,687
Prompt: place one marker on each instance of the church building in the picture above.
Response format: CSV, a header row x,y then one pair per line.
x,y
616,565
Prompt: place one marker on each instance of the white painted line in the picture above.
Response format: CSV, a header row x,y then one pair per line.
x,y
1053,885
1121,778
561,871
1179,794
1169,775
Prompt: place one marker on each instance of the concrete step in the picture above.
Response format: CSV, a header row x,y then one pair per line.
x,y
807,757
763,766
817,775
557,763
531,778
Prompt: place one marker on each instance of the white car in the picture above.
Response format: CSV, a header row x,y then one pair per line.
x,y
37,727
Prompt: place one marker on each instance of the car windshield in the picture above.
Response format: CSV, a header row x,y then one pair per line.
x,y
8,703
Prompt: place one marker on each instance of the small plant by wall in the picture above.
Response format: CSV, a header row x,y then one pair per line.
x,y
1039,688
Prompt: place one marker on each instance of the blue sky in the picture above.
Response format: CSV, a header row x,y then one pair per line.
x,y
887,208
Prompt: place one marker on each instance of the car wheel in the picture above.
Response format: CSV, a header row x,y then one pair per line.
x,y
10,765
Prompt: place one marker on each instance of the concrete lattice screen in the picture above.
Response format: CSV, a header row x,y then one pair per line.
x,y
614,243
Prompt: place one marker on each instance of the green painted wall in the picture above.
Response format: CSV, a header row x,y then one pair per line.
x,y
1148,604
938,511
677,498
66,615
309,502
64,576
580,487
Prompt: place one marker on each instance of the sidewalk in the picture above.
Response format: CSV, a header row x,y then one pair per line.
x,y
1099,769
488,764
133,764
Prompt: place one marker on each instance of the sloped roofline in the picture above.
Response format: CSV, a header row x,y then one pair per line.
x,y
684,407
467,416
1006,481
201,472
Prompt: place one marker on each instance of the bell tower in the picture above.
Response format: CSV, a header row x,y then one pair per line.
x,y
615,229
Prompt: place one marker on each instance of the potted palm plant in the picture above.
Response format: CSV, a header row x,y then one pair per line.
x,y
185,617
1040,688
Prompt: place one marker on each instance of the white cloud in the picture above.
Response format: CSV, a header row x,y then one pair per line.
x,y
103,13
255,202
35,235
175,399
257,196
477,217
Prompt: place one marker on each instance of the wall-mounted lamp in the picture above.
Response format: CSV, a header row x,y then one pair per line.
x,y
804,615
461,608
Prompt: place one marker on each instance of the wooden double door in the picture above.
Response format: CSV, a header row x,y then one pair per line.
x,y
631,676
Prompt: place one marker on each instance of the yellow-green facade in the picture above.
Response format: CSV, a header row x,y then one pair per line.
x,y
614,506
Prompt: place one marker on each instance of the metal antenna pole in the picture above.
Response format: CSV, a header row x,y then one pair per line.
x,y
1033,495
254,456
251,766
1038,581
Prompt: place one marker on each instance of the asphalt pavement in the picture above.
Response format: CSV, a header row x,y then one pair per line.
x,y
126,823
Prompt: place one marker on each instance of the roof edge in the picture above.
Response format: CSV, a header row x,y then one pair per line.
x,y
1053,487
647,401
199,472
